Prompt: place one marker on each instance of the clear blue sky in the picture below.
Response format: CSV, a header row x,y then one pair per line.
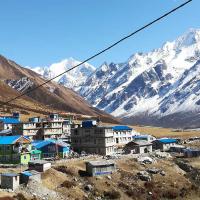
x,y
41,32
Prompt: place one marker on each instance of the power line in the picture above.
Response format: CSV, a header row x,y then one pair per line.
x,y
100,52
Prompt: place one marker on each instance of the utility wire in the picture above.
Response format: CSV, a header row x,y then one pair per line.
x,y
100,52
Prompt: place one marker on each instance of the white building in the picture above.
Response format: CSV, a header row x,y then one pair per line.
x,y
147,138
52,127
164,144
122,136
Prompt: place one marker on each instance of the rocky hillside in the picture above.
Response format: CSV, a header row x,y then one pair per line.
x,y
15,79
157,88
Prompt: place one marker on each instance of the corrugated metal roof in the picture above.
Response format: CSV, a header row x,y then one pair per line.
x,y
30,173
167,140
140,136
9,120
6,131
42,143
121,128
142,143
9,139
100,163
10,174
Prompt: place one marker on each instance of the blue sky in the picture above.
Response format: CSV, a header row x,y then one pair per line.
x,y
41,32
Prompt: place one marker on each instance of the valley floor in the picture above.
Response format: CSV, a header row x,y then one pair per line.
x,y
159,132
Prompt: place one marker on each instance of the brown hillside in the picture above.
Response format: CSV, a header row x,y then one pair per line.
x,y
43,100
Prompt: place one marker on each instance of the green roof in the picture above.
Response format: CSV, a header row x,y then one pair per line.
x,y
35,151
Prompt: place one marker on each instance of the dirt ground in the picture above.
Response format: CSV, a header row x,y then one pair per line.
x,y
67,178
122,184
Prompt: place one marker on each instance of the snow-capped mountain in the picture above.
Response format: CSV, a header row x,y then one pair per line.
x,y
150,87
70,79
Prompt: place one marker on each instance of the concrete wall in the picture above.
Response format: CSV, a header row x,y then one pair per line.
x,y
145,149
9,182
97,140
99,170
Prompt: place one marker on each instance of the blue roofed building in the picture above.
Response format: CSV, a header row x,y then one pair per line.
x,y
52,148
164,144
146,137
15,149
122,135
8,122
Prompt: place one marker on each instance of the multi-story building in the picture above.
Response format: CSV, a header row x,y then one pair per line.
x,y
66,129
7,122
122,136
92,139
32,128
51,127
15,149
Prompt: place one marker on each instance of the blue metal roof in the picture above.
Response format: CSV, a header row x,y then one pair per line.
x,y
41,143
167,140
121,128
9,120
9,139
27,173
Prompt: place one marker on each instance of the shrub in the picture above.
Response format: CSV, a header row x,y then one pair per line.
x,y
65,170
20,196
112,194
68,184
170,194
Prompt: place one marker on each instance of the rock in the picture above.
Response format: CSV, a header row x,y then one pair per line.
x,y
145,160
153,170
88,188
150,193
86,196
144,176
184,166
109,177
99,178
75,179
34,194
162,173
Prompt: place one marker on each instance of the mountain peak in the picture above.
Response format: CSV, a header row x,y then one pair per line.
x,y
191,37
69,79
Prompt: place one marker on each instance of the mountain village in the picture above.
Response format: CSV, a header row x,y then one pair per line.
x,y
39,143
122,130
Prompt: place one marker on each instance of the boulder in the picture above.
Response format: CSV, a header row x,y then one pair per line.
x,y
153,170
88,187
144,176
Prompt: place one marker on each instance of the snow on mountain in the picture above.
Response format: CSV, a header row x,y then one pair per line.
x,y
70,79
160,83
20,85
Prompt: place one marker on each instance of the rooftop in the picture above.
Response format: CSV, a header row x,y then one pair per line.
x,y
38,162
41,143
167,140
30,173
100,163
10,174
141,143
6,131
10,139
121,128
9,120
140,136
